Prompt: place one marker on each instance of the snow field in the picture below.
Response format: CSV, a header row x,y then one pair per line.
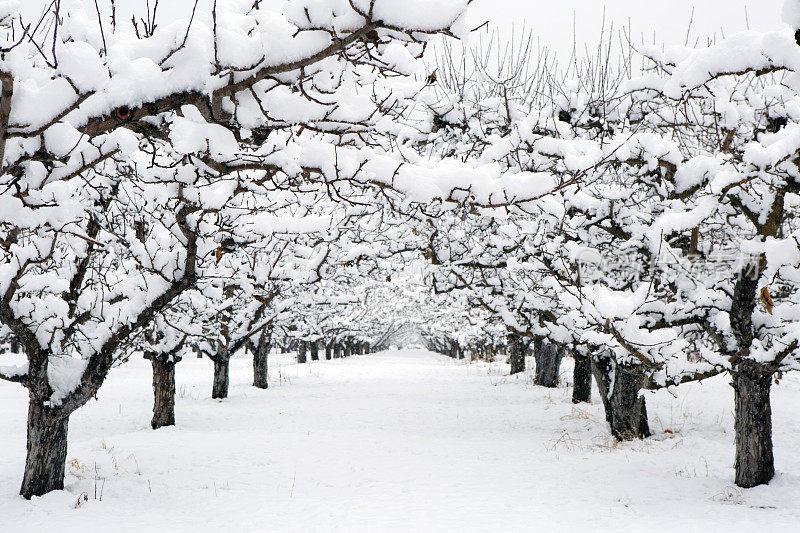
x,y
396,441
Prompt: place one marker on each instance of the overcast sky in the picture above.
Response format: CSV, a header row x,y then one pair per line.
x,y
552,20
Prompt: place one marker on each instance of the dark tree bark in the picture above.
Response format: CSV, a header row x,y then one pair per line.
x,y
625,408
221,365
629,413
348,349
163,389
753,424
581,378
261,360
47,451
603,370
328,350
517,348
548,363
314,349
337,350
301,352
752,381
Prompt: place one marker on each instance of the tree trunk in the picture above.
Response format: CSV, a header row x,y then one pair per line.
x,y
337,351
625,408
603,371
314,349
754,460
517,349
301,352
548,363
47,451
348,349
581,378
328,351
163,391
628,411
260,361
221,365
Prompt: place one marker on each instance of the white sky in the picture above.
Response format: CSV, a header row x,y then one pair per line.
x,y
552,20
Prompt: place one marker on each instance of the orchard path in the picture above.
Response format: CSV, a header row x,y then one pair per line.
x,y
406,440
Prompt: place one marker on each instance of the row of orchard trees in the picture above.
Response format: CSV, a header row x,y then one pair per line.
x,y
668,250
213,178
186,179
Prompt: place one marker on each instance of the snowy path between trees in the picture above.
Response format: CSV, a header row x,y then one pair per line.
x,y
403,440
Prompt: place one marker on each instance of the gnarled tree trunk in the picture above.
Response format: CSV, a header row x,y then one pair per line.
x,y
260,360
328,350
516,356
163,389
301,352
314,349
548,362
47,450
753,423
603,370
625,408
221,366
581,378
629,413
751,382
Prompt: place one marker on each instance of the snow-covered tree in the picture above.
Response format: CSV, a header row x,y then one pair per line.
x,y
109,133
701,193
668,249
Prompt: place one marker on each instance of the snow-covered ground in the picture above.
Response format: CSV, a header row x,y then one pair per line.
x,y
404,440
